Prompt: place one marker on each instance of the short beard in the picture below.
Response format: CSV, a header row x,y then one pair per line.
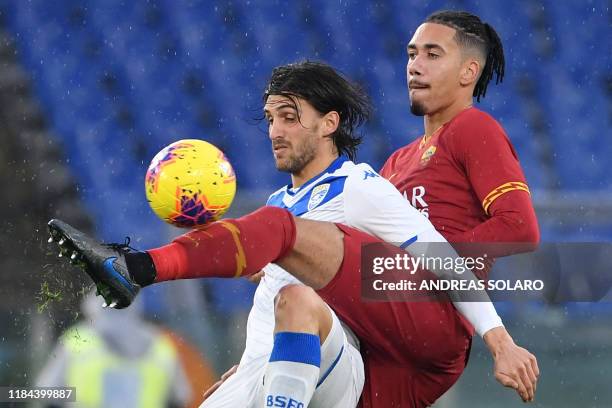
x,y
417,109
297,162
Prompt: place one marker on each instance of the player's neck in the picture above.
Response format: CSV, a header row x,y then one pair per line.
x,y
316,166
436,120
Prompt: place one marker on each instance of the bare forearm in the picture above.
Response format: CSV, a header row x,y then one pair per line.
x,y
497,339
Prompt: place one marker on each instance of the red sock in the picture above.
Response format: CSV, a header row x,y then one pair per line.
x,y
228,248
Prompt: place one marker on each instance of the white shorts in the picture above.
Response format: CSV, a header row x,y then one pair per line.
x,y
340,383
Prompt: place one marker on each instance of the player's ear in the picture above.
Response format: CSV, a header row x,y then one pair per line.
x,y
470,72
331,121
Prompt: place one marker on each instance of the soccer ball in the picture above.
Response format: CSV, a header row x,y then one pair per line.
x,y
190,183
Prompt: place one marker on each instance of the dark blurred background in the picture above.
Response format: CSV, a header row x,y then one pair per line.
x,y
91,90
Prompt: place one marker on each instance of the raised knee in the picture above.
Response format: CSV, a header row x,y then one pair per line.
x,y
298,308
298,298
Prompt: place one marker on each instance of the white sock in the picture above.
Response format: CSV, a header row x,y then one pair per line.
x,y
293,370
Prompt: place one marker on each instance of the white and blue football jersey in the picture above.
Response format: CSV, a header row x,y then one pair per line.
x,y
347,193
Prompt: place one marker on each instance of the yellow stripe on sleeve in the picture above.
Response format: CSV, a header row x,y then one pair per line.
x,y
501,190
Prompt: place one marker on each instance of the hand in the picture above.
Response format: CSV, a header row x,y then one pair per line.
x,y
256,277
514,366
216,385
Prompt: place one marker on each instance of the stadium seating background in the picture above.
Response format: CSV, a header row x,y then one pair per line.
x,y
118,80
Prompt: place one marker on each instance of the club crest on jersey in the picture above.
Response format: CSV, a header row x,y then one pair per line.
x,y
427,154
317,195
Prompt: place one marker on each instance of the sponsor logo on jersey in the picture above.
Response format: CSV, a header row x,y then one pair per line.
x,y
417,200
427,155
282,401
369,173
317,195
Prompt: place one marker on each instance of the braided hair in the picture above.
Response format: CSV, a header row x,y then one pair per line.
x,y
474,34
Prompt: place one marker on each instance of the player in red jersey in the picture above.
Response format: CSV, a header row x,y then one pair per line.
x,y
414,351
463,173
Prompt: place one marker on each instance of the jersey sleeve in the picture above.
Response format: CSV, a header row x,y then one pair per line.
x,y
491,164
276,198
373,205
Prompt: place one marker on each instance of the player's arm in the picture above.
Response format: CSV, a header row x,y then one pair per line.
x,y
493,169
375,206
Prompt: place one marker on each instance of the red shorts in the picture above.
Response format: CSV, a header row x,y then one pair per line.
x,y
413,351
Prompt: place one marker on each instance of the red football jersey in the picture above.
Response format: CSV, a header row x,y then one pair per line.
x,y
455,175
453,178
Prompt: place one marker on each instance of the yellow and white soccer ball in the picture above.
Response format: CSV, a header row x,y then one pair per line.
x,y
190,182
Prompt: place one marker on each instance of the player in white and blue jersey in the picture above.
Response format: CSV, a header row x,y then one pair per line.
x,y
326,368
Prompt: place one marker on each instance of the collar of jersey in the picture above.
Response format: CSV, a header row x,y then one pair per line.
x,y
335,165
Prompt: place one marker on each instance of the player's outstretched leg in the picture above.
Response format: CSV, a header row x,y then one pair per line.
x,y
225,249
231,248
